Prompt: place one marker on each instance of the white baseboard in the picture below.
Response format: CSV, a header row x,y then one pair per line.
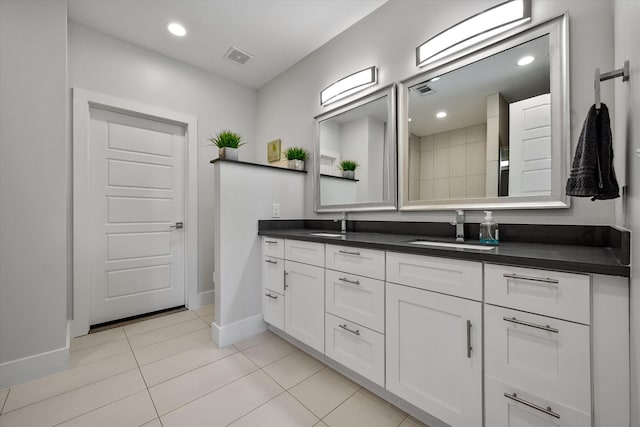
x,y
29,368
226,335
200,299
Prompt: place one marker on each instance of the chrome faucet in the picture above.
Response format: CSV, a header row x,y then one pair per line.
x,y
459,223
343,222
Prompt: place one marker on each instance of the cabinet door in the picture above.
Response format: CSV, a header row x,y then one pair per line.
x,y
357,348
273,274
434,353
509,406
545,356
273,308
304,303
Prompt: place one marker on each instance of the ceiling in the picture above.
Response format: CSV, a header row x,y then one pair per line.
x,y
278,33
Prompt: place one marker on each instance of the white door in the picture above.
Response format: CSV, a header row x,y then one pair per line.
x,y
136,187
304,303
434,353
530,146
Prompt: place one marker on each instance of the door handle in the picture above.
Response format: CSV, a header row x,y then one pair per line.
x,y
177,225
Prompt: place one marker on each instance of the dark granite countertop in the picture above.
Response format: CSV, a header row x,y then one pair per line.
x,y
570,258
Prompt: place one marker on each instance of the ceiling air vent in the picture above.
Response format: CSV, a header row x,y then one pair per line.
x,y
238,56
424,89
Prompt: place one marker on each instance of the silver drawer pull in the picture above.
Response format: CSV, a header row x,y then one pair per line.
x,y
546,410
531,278
271,296
270,261
271,242
346,328
531,325
350,253
469,348
353,282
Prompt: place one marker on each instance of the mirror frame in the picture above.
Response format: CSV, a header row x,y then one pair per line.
x,y
557,30
391,203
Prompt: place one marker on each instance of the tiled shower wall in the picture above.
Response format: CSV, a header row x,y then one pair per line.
x,y
451,164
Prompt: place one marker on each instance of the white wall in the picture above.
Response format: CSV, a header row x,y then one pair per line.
x,y
627,133
388,37
244,194
33,187
103,64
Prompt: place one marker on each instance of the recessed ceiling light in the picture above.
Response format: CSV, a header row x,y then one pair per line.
x,y
409,118
176,29
441,115
526,60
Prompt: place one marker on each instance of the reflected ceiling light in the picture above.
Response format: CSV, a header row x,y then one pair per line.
x,y
435,79
349,85
441,114
526,60
410,119
473,30
176,29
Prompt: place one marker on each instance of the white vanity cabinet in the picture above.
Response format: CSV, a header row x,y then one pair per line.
x,y
273,281
537,367
434,340
354,320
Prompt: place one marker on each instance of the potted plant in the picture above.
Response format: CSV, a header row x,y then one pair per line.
x,y
228,143
348,168
296,157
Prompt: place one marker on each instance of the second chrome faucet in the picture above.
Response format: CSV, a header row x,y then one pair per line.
x,y
459,223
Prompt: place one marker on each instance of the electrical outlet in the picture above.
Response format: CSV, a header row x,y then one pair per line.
x,y
275,210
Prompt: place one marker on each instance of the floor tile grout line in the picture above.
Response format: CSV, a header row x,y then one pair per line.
x,y
190,370
160,327
261,405
341,403
97,344
71,389
156,330
305,406
262,342
167,339
5,401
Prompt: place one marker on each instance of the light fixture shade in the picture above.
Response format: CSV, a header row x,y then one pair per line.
x,y
348,85
475,29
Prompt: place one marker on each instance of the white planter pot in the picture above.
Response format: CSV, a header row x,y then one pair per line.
x,y
296,164
349,174
228,153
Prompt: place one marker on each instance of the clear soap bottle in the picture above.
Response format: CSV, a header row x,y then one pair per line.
x,y
489,230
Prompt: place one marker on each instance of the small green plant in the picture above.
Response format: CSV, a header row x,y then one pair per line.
x,y
226,138
296,153
348,165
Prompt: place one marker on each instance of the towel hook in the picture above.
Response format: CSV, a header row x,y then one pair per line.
x,y
620,72
596,87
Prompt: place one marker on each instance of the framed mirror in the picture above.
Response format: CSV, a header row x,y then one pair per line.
x,y
490,128
363,133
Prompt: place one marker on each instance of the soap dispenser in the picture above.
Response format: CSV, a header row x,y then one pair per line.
x,y
489,229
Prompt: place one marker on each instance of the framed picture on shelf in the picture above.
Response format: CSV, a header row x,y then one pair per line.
x,y
273,150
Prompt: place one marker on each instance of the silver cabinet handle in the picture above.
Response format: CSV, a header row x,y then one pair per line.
x,y
531,325
346,328
531,278
285,280
353,282
270,261
350,253
177,225
469,348
271,296
271,242
546,410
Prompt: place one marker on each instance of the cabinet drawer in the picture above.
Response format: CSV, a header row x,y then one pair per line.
x,y
359,349
363,262
528,410
448,276
550,293
305,252
542,355
273,247
273,274
273,308
356,298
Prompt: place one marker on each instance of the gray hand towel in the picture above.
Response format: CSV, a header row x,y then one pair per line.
x,y
592,173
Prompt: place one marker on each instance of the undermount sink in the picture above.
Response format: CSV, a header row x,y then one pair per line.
x,y
451,245
327,234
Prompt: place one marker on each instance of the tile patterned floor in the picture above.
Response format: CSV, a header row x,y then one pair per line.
x,y
166,372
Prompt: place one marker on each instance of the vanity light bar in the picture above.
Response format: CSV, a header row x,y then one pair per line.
x,y
475,29
348,85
